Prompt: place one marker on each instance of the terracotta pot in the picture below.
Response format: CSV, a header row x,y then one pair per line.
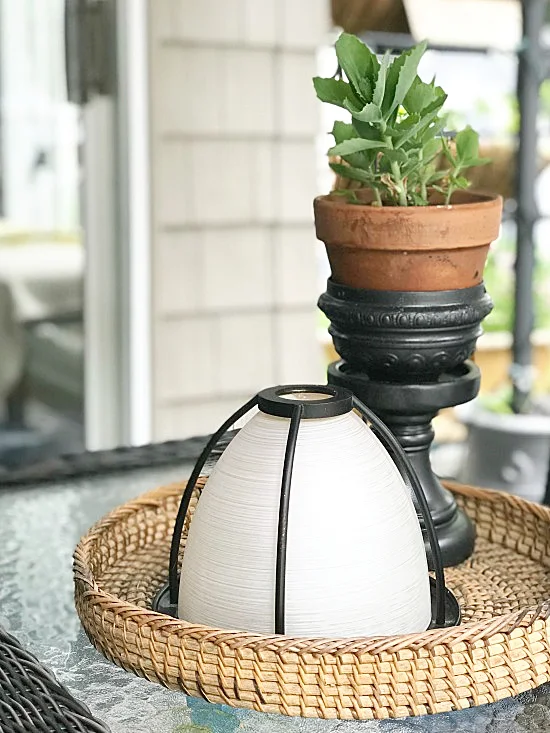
x,y
408,247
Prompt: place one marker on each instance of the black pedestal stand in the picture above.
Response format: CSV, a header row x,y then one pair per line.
x,y
406,356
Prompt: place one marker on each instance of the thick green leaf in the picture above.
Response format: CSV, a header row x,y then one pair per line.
x,y
353,104
461,182
370,113
431,148
346,193
477,161
356,174
380,86
417,199
416,130
421,95
333,91
401,75
355,145
406,122
365,129
416,163
359,64
407,73
396,156
395,131
437,176
343,131
383,165
413,169
433,130
436,105
467,144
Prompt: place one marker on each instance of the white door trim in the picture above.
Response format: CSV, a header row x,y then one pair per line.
x,y
117,222
134,106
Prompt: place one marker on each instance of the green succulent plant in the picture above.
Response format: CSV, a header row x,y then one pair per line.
x,y
394,143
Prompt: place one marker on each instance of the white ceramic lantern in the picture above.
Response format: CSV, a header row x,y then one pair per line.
x,y
343,537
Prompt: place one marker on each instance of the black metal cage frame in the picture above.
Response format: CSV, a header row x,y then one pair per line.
x,y
445,610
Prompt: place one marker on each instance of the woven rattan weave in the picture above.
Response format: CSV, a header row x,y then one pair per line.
x,y
501,649
33,701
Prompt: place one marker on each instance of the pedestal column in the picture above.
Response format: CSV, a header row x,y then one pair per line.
x,y
406,355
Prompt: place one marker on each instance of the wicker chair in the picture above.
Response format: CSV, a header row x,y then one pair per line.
x,y
32,700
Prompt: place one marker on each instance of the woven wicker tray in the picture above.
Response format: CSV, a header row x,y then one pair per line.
x,y
501,649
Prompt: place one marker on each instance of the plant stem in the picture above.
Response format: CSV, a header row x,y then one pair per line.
x,y
400,184
451,188
377,197
453,173
423,189
396,172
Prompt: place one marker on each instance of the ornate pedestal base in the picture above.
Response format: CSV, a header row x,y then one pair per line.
x,y
406,357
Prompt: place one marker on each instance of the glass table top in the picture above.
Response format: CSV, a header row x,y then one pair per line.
x,y
39,528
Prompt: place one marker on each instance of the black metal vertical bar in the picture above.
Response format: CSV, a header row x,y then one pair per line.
x,y
528,86
282,532
188,493
390,442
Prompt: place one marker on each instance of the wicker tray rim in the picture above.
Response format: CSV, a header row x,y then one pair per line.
x,y
470,632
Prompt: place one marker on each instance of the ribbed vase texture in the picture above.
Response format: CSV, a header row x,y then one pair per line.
x,y
356,564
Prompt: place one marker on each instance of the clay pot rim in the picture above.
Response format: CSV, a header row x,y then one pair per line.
x,y
472,220
480,201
